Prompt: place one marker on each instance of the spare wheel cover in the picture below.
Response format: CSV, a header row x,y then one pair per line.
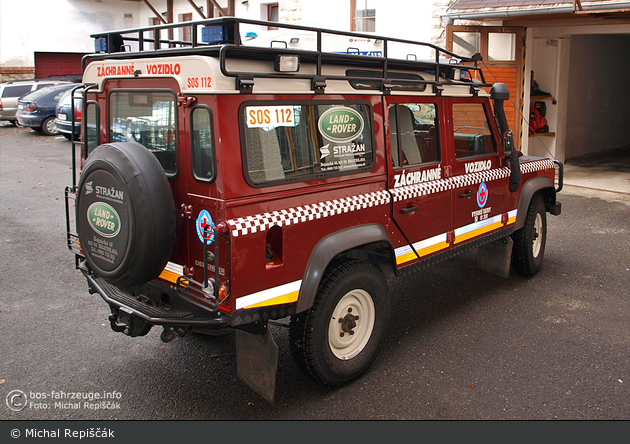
x,y
126,216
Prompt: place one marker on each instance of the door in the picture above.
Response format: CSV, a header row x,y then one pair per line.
x,y
502,52
480,181
421,206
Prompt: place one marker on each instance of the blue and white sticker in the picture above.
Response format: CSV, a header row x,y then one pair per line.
x,y
482,195
205,225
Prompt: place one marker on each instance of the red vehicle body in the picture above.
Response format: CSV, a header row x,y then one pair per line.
x,y
220,191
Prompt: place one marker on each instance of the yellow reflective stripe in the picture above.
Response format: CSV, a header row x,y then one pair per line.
x,y
423,247
283,294
512,217
477,229
172,272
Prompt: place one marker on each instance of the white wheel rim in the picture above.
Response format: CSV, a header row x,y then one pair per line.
x,y
346,344
538,235
51,127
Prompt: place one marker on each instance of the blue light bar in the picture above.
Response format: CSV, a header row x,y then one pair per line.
x,y
214,34
100,44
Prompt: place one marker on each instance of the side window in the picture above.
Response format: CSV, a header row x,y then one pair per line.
x,y
471,130
202,144
92,122
149,118
413,132
303,141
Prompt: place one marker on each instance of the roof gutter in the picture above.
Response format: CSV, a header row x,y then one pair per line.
x,y
449,18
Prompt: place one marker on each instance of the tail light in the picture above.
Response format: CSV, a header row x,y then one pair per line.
x,y
0,104
31,107
77,115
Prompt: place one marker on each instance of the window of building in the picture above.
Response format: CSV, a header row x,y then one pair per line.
x,y
186,31
273,14
294,141
413,133
363,15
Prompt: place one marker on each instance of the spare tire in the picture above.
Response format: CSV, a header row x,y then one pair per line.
x,y
125,213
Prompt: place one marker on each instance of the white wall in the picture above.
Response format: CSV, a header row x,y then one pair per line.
x,y
29,26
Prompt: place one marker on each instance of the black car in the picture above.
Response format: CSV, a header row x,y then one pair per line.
x,y
63,119
37,109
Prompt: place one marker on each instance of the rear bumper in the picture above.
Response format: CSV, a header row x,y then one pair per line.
x,y
143,304
32,122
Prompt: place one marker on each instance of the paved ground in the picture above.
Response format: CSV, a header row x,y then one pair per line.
x,y
463,344
604,174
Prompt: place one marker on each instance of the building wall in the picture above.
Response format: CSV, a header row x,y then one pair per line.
x,y
29,26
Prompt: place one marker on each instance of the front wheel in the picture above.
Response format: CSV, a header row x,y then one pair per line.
x,y
339,336
530,240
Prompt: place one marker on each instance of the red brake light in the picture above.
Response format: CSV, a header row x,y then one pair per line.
x,y
0,103
77,115
31,107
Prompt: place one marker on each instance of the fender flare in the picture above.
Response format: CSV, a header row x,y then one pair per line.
x,y
530,188
332,246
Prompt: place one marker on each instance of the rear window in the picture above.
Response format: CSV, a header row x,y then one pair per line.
x,y
149,118
35,94
298,141
16,91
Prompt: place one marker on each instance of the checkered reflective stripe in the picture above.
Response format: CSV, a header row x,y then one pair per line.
x,y
542,164
243,226
421,189
291,216
482,176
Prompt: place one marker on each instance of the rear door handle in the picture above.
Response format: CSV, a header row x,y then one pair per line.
x,y
467,195
408,210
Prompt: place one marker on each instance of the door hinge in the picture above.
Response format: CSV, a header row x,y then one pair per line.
x,y
186,211
185,101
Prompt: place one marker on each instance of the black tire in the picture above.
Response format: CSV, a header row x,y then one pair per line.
x,y
530,240
321,344
125,213
48,126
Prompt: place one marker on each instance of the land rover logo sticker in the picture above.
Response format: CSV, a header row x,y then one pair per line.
x,y
340,124
205,227
104,219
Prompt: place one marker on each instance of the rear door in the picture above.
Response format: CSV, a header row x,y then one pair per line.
x,y
421,205
146,111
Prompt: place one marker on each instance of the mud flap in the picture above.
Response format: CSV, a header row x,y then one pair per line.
x,y
257,361
496,257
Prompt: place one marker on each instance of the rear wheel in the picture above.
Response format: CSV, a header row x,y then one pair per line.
x,y
339,336
49,128
530,240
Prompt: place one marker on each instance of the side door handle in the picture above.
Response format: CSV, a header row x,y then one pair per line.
x,y
467,195
408,210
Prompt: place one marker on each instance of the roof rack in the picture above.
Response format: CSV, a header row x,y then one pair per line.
x,y
221,37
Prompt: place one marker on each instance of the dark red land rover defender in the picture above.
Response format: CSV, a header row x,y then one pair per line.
x,y
226,183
